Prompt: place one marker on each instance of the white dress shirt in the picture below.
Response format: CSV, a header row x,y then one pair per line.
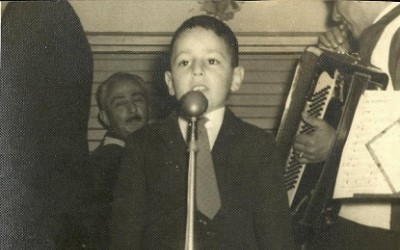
x,y
213,125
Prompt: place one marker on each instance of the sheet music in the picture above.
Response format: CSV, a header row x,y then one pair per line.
x,y
374,124
383,155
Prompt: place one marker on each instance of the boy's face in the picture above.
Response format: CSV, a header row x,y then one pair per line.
x,y
126,108
201,61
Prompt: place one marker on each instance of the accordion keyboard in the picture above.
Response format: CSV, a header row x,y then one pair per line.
x,y
316,106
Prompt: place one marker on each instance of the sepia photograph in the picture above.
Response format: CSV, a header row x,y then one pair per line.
x,y
200,124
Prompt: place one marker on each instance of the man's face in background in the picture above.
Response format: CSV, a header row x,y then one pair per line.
x,y
356,15
127,107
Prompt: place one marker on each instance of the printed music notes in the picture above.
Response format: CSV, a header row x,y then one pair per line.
x,y
370,162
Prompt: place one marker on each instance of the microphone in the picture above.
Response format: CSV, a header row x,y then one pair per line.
x,y
193,104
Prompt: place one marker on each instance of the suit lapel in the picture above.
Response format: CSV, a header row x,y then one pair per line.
x,y
171,136
371,35
227,158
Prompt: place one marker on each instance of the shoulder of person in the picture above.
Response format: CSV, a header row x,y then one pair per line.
x,y
250,130
106,155
102,150
152,130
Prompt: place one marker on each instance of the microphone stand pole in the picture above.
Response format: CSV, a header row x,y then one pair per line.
x,y
193,105
193,148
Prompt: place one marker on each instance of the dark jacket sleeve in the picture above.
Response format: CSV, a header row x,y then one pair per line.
x,y
272,217
128,215
102,175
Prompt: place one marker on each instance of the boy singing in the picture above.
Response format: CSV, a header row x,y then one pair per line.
x,y
149,209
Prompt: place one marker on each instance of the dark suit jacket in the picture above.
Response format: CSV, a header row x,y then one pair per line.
x,y
149,209
105,162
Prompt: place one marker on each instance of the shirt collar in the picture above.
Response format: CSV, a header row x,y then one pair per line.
x,y
388,8
213,125
112,140
215,118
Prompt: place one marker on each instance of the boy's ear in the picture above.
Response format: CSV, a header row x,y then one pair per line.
x,y
168,81
238,75
104,118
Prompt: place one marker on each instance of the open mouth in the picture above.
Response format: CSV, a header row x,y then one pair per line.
x,y
201,88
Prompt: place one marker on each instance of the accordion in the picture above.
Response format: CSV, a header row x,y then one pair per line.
x,y
326,85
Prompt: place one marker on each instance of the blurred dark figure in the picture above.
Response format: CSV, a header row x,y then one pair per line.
x,y
46,77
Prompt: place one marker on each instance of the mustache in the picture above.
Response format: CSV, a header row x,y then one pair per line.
x,y
136,117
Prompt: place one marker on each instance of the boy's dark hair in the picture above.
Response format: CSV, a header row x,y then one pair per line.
x,y
113,79
209,23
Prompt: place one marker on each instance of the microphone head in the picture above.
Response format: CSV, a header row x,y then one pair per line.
x,y
193,104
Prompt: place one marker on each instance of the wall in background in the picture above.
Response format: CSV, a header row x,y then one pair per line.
x,y
164,16
132,36
269,26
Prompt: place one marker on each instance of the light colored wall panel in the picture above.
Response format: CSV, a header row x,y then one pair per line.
x,y
259,101
131,36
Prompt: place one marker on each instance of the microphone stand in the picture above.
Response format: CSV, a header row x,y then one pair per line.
x,y
193,105
193,148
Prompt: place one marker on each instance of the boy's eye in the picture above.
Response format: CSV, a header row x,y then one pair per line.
x,y
183,63
212,61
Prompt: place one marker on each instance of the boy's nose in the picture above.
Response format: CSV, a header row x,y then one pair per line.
x,y
198,68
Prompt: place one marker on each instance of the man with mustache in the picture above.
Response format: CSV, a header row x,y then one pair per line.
x,y
123,108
